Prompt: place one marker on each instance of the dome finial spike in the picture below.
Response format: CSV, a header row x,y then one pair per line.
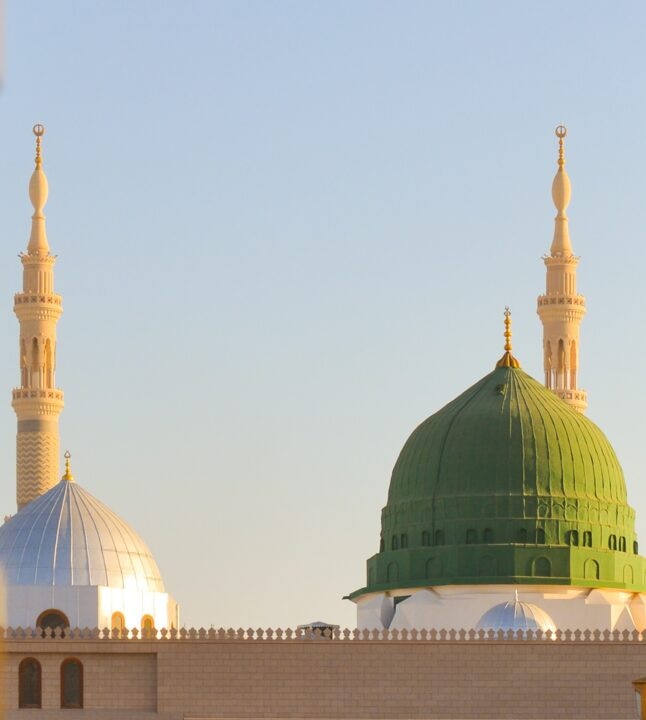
x,y
508,360
68,470
507,329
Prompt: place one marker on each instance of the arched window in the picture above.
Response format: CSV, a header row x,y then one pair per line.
x,y
540,536
52,619
541,567
394,543
472,537
404,540
426,538
392,572
487,535
439,537
635,547
587,538
71,683
591,569
382,545
572,537
29,683
612,542
118,623
622,544
147,626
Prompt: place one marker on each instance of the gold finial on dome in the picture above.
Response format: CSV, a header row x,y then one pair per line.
x,y
68,470
508,360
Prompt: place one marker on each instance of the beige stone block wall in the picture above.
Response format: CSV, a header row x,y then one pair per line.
x,y
182,679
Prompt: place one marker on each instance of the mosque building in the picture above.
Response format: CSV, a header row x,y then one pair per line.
x,y
506,512
68,560
511,489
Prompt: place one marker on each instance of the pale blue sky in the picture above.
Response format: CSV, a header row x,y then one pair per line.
x,y
286,234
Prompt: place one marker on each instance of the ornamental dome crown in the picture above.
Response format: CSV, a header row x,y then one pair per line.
x,y
67,537
507,484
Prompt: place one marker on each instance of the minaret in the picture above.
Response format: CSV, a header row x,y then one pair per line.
x,y
37,401
561,309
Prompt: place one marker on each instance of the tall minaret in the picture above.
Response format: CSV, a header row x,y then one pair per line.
x,y
561,309
37,401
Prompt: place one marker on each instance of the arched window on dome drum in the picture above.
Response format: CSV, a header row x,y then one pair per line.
x,y
392,572
540,536
622,544
118,623
394,543
521,535
572,537
612,542
71,683
635,547
147,626
587,538
439,537
472,536
629,575
591,569
404,540
50,620
382,545
29,684
426,538
541,567
487,535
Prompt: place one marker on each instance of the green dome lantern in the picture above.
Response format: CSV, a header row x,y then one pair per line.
x,y
507,484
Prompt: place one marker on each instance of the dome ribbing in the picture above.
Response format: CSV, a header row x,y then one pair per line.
x,y
68,537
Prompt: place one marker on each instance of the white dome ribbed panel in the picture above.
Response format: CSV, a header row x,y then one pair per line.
x,y
516,615
68,537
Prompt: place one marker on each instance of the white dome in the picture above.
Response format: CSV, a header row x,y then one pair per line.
x,y
67,537
516,615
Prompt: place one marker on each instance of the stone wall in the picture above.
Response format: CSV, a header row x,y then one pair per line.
x,y
224,674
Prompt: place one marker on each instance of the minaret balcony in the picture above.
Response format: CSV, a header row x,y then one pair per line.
x,y
561,300
577,398
37,306
37,401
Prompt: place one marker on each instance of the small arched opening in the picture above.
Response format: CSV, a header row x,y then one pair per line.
x,y
29,683
51,620
72,683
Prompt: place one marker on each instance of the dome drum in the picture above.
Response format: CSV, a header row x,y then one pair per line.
x,y
504,564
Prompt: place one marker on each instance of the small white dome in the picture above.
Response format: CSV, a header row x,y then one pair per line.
x,y
516,615
67,537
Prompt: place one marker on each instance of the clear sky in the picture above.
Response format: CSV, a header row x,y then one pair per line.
x,y
286,234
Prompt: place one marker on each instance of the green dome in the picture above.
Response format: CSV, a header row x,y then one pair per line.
x,y
507,484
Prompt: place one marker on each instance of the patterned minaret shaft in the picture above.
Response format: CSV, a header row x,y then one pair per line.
x,y
37,401
561,309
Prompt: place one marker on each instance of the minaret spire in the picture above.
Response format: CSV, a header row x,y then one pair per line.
x,y
561,308
37,402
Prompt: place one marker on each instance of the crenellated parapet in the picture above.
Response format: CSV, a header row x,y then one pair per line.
x,y
337,635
